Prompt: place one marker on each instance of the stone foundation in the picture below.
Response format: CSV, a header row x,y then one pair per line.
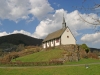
x,y
72,52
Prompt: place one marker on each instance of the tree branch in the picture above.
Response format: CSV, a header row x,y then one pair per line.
x,y
88,21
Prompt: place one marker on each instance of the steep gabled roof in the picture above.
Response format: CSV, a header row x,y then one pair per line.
x,y
54,35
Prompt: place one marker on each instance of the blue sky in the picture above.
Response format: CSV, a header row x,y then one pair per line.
x,y
38,18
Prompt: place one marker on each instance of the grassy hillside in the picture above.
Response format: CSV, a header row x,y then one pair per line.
x,y
42,56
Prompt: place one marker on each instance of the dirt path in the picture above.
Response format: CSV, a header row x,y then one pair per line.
x,y
16,67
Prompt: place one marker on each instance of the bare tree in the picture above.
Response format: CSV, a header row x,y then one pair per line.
x,y
93,8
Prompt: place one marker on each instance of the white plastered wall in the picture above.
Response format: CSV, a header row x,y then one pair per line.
x,y
67,37
57,43
52,43
44,45
48,44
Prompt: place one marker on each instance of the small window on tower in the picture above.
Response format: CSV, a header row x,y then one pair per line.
x,y
67,36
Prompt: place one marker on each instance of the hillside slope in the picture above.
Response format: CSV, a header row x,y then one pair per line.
x,y
42,56
17,39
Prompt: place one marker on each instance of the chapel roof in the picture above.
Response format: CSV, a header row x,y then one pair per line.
x,y
54,35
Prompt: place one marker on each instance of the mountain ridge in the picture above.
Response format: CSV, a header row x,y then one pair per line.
x,y
19,38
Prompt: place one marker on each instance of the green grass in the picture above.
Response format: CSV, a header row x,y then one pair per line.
x,y
41,56
66,69
83,61
52,70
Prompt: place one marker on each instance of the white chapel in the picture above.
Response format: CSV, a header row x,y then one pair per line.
x,y
63,36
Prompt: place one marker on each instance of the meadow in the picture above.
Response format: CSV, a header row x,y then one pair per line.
x,y
93,69
68,68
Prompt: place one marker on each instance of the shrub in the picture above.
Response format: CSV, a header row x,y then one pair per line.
x,y
85,47
93,55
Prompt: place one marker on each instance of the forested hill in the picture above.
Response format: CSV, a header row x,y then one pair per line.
x,y
94,49
17,39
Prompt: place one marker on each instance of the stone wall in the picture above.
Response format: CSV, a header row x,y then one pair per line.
x,y
71,52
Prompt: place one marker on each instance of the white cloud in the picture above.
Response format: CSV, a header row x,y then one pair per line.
x,y
20,9
54,22
91,38
21,31
14,9
3,33
15,32
40,8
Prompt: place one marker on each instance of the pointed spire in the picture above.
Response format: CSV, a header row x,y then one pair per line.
x,y
64,23
63,19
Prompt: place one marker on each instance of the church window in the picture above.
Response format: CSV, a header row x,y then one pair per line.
x,y
67,36
57,40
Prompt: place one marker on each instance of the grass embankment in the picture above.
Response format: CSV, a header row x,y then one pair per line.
x,y
53,70
42,56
